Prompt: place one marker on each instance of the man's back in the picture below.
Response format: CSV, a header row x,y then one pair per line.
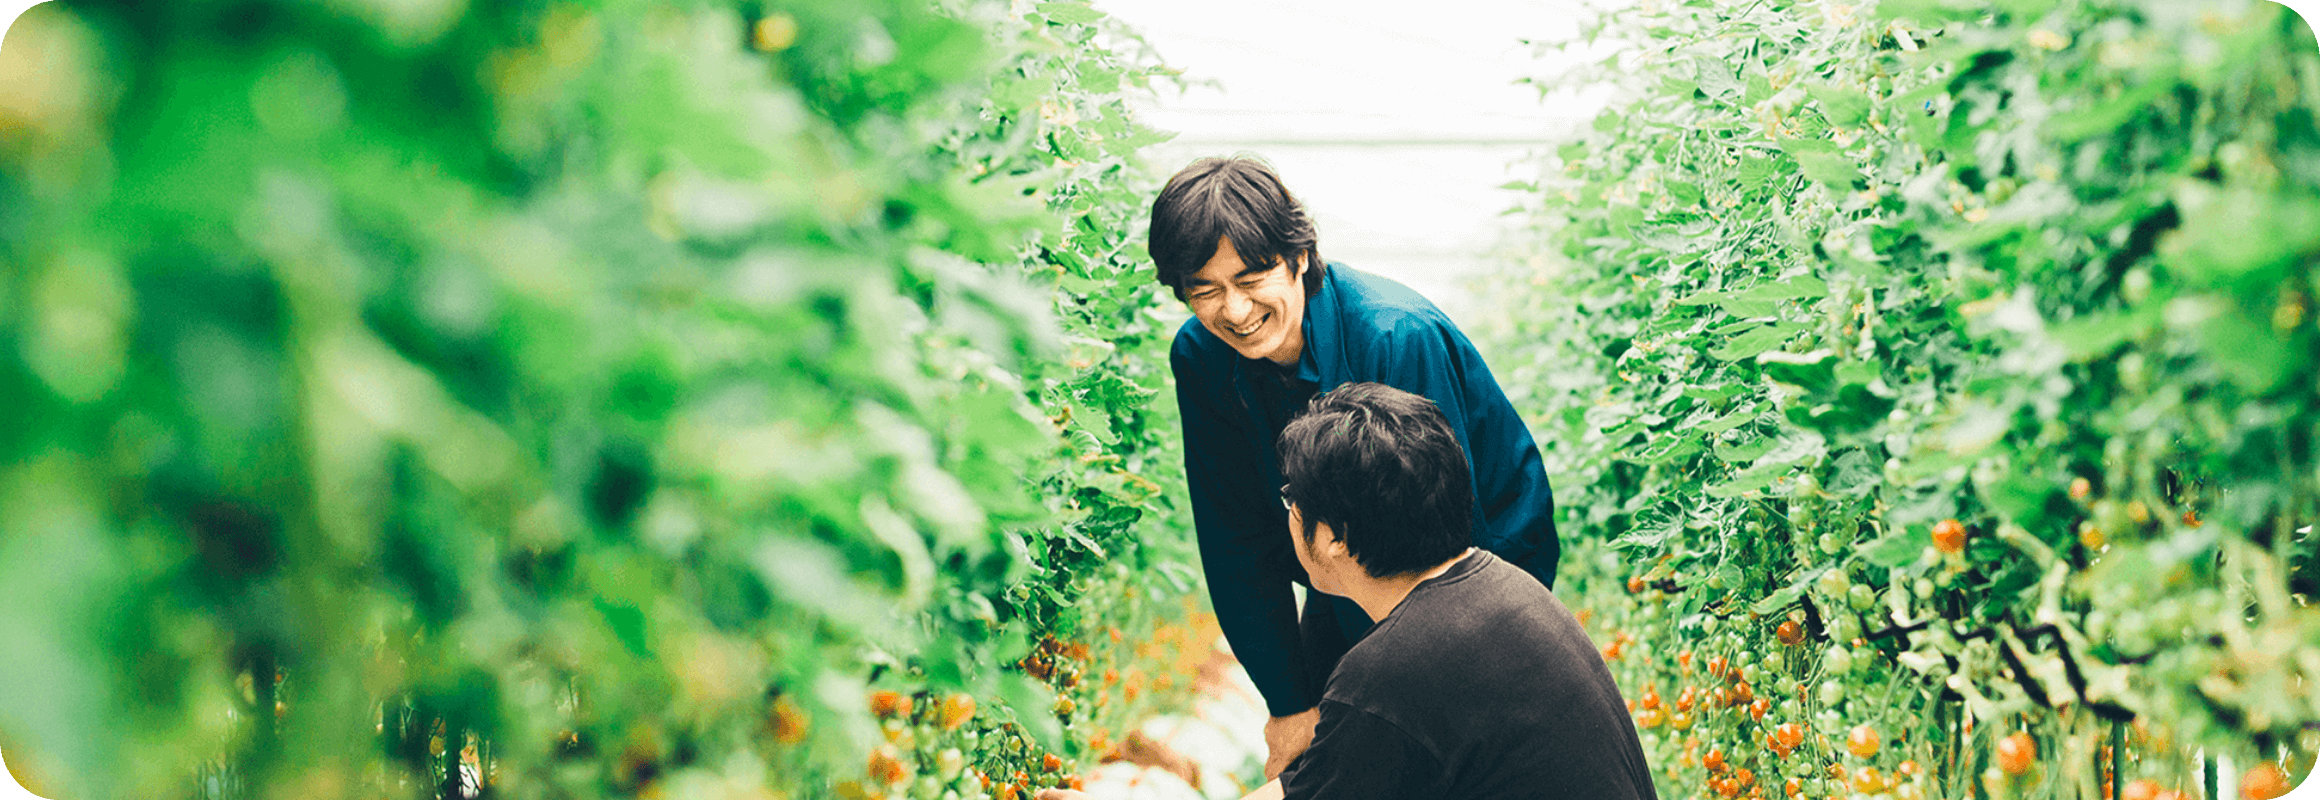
x,y
1480,684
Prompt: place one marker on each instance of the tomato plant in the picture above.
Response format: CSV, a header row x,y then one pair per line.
x,y
578,398
1938,329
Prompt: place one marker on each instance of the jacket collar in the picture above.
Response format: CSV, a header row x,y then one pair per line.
x,y
1324,355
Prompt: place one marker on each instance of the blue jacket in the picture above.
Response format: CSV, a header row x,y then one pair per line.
x,y
1358,327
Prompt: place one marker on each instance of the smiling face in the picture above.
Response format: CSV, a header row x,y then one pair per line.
x,y
1257,309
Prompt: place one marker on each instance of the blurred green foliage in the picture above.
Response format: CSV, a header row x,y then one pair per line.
x,y
601,393
1829,274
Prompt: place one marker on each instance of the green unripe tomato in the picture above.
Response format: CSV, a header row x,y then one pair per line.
x,y
1808,486
2002,189
1847,629
1775,661
949,763
1014,745
928,788
1840,661
1862,598
970,740
2131,370
1834,583
2135,286
1831,545
1923,588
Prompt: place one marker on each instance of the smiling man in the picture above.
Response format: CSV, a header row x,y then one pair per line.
x,y
1272,326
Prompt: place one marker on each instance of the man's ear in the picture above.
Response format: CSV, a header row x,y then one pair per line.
x,y
1327,542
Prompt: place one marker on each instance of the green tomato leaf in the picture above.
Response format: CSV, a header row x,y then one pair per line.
x,y
1745,453
1788,595
1844,107
1895,550
1748,480
1070,12
1753,343
1815,372
1735,418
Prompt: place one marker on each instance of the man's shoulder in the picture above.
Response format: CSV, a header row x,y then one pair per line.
x,y
1494,604
1384,302
1381,320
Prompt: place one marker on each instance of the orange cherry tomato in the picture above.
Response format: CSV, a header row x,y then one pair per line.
x,y
885,767
1863,741
2264,781
956,710
887,703
1949,536
789,722
1868,781
2016,752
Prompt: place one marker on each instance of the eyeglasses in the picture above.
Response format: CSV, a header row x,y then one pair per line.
x,y
1286,503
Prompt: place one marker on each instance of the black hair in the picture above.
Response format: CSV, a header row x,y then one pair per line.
x,y
1383,468
1237,198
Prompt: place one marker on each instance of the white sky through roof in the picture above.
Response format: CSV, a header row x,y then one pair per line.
x,y
1395,123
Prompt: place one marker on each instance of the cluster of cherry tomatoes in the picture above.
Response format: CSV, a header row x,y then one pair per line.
x,y
938,748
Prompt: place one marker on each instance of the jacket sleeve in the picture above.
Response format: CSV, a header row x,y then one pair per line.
x,y
1242,535
1515,509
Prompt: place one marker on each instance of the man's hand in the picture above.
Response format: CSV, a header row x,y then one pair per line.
x,y
1287,737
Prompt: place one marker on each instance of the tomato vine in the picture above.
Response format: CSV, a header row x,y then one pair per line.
x,y
1962,353
570,398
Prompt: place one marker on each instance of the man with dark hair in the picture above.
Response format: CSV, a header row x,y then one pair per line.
x,y
1273,325
1476,682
